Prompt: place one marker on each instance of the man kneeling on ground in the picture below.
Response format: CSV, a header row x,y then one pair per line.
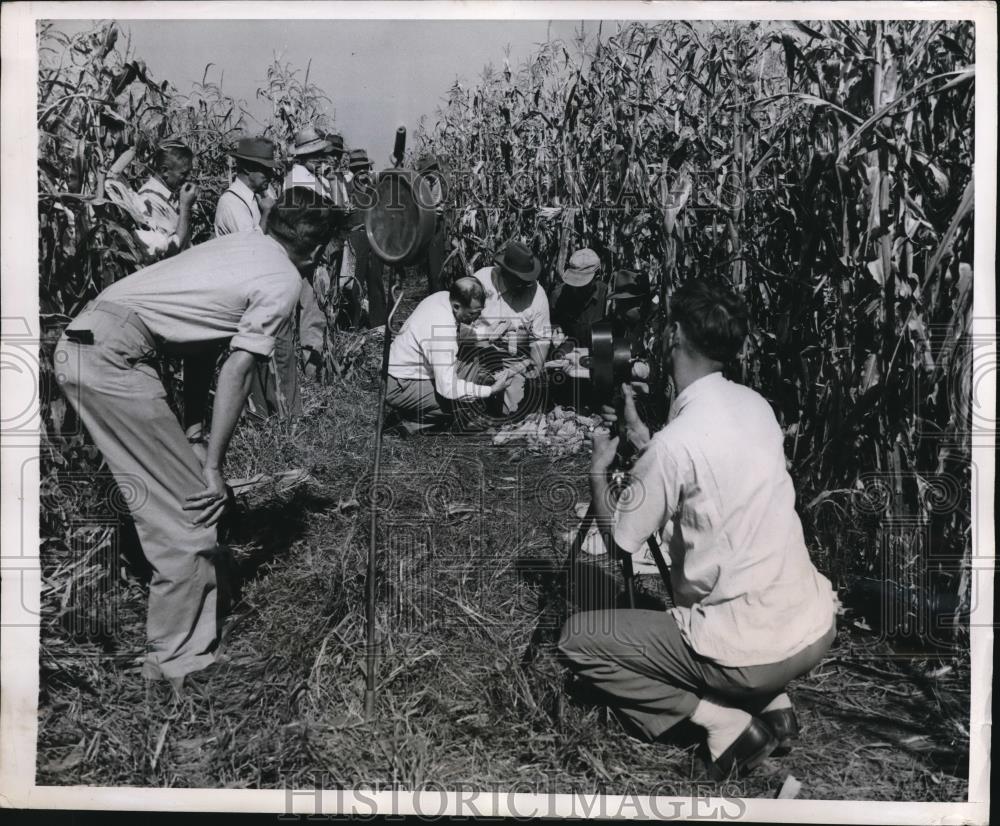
x,y
752,613
240,289
423,382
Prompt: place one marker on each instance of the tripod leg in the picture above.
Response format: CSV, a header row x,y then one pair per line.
x,y
661,566
629,576
574,550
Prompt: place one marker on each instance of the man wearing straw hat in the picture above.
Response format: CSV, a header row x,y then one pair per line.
x,y
316,159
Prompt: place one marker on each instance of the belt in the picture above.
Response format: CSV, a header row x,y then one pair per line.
x,y
126,314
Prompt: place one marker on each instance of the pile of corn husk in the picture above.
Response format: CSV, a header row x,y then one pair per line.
x,y
560,432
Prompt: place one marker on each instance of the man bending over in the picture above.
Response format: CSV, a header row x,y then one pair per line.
x,y
752,613
423,382
239,289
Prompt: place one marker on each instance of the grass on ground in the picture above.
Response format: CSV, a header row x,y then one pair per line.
x,y
471,594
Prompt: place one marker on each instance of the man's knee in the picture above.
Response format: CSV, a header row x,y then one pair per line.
x,y
581,635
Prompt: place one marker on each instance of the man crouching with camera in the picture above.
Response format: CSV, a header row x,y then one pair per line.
x,y
752,612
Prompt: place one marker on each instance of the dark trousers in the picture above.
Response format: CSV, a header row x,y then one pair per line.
x,y
369,271
434,262
640,661
274,384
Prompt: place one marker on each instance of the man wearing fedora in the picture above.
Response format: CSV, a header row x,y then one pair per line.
x,y
368,266
244,206
236,291
514,325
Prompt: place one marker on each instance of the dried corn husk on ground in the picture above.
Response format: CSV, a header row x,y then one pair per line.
x,y
560,432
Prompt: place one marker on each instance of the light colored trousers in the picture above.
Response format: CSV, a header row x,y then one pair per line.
x,y
640,661
123,404
416,400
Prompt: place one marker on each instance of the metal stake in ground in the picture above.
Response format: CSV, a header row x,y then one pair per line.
x,y
398,225
397,294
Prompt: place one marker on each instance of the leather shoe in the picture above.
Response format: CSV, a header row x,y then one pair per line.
x,y
746,752
784,726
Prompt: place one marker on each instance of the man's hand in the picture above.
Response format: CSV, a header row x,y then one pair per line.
x,y
266,201
187,195
211,501
635,428
604,450
500,328
502,381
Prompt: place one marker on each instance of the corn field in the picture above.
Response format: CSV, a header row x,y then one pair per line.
x,y
823,169
101,115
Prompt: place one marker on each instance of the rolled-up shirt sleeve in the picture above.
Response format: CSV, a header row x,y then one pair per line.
x,y
442,354
650,499
270,305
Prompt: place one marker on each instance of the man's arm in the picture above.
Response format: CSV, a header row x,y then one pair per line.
x,y
230,396
605,448
198,374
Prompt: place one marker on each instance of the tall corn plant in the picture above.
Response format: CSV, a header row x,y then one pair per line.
x,y
824,169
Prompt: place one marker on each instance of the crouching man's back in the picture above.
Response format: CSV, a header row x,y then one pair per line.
x,y
752,613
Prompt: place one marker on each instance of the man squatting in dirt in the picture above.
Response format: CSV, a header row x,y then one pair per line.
x,y
513,330
241,288
752,612
425,377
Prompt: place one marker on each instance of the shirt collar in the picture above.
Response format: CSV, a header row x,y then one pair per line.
x,y
154,184
242,190
697,388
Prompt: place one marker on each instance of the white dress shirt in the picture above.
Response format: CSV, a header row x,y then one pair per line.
x,y
714,481
427,348
241,287
237,210
529,324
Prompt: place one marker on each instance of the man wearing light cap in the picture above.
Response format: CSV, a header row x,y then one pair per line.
x,y
578,301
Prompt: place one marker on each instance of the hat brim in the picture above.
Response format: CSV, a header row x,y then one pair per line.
x,y
532,275
629,294
579,278
314,147
272,164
